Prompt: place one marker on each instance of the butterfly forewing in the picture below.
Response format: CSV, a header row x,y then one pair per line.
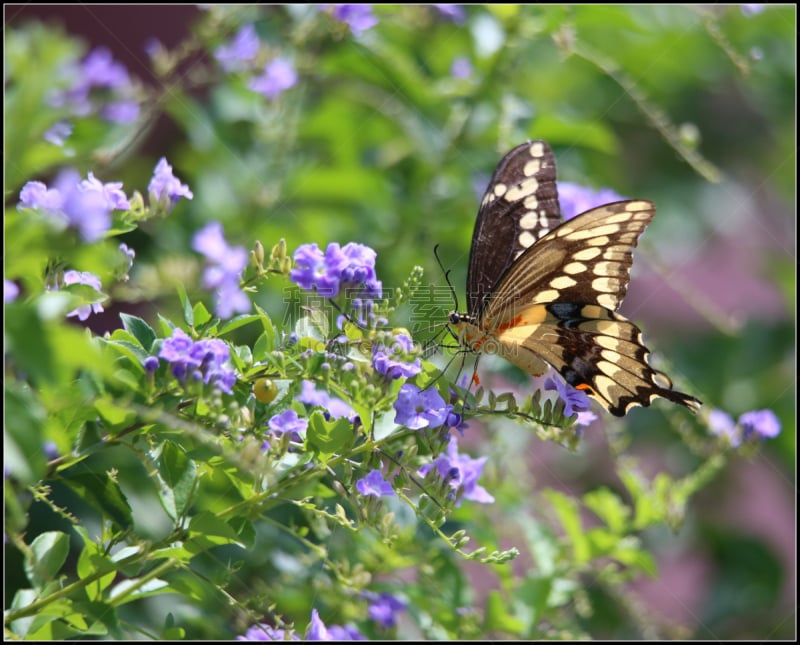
x,y
519,206
545,292
586,260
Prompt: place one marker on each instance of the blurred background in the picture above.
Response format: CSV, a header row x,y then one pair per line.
x,y
388,138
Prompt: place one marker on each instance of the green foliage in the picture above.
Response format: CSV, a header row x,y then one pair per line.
x,y
139,503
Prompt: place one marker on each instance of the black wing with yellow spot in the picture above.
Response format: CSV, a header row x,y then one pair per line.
x,y
520,205
555,298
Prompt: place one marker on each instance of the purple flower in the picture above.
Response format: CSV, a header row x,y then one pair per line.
x,y
418,409
151,363
10,291
112,192
760,424
263,632
460,471
383,608
287,422
461,68
279,75
374,484
50,450
335,408
100,70
722,424
165,184
315,270
756,424
85,210
58,133
122,111
35,194
225,267
576,199
575,401
241,49
453,12
350,266
390,361
130,254
203,360
357,16
750,10
90,279
317,631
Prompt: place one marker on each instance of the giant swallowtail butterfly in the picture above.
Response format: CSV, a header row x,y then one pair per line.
x,y
544,291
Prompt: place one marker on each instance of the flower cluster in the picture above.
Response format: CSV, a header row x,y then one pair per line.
x,y
416,409
751,426
460,472
203,360
100,74
224,270
393,361
317,631
86,204
576,199
82,205
241,55
352,265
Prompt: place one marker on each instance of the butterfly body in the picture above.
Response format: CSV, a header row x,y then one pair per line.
x,y
543,291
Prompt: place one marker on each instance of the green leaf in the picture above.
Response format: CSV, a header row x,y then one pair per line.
x,y
200,314
143,332
609,508
114,413
206,530
498,617
188,313
177,475
327,438
245,531
567,511
24,418
131,350
93,560
237,322
151,587
46,557
104,494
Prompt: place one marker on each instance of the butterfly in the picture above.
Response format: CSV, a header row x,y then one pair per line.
x,y
541,290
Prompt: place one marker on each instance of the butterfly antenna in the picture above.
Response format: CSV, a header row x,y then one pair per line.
x,y
446,276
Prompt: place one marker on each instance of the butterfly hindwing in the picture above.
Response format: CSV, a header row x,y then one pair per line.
x,y
519,206
594,349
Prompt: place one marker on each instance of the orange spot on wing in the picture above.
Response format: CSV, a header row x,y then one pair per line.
x,y
586,387
510,325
